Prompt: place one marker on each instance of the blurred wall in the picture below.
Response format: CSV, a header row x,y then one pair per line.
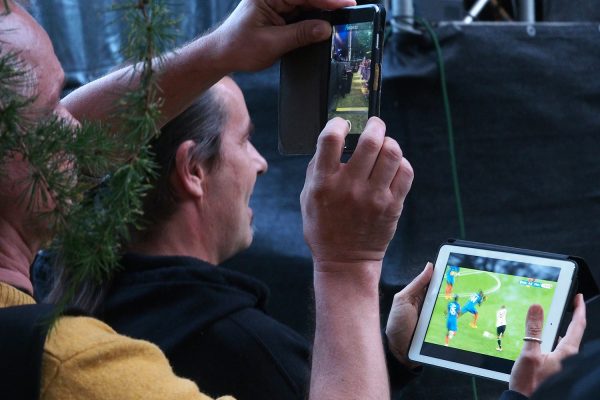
x,y
88,35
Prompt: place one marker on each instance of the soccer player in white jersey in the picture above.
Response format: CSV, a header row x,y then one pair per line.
x,y
500,325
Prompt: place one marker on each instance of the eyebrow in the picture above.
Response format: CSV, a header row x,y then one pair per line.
x,y
250,129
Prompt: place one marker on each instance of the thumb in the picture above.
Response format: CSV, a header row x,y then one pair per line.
x,y
422,280
417,286
302,34
533,327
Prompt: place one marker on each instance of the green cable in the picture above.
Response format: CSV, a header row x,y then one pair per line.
x,y
459,207
457,195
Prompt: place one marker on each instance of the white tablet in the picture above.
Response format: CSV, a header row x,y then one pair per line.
x,y
473,317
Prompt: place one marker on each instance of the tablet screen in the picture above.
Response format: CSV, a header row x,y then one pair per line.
x,y
477,308
486,300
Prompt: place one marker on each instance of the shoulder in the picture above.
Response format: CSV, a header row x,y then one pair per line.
x,y
85,358
578,378
73,335
254,328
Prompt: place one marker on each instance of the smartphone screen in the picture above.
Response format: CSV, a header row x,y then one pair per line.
x,y
340,77
350,73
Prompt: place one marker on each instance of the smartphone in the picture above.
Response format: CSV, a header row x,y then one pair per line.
x,y
354,85
340,77
473,315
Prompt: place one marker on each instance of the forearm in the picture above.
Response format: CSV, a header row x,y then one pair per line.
x,y
348,356
252,38
182,76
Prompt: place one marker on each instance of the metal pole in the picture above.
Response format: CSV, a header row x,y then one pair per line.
x,y
527,11
474,11
403,13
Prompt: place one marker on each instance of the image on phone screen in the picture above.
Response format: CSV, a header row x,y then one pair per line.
x,y
350,73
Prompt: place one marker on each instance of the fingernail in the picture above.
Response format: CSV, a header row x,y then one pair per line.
x,y
349,124
321,31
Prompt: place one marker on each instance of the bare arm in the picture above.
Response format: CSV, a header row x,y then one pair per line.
x,y
350,212
252,38
348,358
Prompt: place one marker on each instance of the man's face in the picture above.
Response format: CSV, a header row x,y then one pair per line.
x,y
230,184
23,35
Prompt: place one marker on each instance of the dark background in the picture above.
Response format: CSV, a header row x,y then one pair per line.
x,y
526,109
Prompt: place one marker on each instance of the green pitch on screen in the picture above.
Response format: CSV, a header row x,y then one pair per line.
x,y
499,289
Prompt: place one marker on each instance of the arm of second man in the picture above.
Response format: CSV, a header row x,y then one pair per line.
x,y
252,38
350,213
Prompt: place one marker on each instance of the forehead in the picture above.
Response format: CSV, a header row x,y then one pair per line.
x,y
22,34
232,98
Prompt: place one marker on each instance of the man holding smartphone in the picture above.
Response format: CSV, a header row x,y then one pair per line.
x,y
84,358
197,215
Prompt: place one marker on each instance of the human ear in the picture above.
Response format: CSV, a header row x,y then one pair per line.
x,y
189,174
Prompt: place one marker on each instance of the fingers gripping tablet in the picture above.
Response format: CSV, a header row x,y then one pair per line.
x,y
473,317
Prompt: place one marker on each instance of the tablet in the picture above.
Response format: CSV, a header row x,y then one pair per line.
x,y
473,316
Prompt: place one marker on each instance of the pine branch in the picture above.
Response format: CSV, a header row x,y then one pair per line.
x,y
99,226
67,186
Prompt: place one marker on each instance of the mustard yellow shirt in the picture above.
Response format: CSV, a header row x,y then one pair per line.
x,y
85,359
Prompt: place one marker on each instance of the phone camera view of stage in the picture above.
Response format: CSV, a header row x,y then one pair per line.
x,y
350,74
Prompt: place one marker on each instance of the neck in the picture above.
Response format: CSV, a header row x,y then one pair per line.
x,y
16,256
177,237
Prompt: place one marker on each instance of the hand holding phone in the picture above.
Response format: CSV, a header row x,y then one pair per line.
x,y
340,77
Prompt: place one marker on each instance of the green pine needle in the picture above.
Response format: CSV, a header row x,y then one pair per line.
x,y
90,214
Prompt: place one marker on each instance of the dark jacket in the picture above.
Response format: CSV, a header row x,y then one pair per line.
x,y
578,380
212,325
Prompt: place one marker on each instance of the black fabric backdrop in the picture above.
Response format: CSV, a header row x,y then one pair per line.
x,y
526,109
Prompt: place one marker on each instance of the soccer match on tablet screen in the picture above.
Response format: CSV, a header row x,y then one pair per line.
x,y
482,303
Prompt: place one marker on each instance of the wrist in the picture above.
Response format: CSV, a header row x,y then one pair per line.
x,y
333,256
525,390
400,356
514,395
355,277
214,54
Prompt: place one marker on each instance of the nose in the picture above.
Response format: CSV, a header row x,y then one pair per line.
x,y
261,163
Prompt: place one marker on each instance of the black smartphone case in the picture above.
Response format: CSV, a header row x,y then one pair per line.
x,y
303,92
303,85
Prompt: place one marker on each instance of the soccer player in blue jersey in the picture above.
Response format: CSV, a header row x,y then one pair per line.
x,y
451,274
453,312
470,306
